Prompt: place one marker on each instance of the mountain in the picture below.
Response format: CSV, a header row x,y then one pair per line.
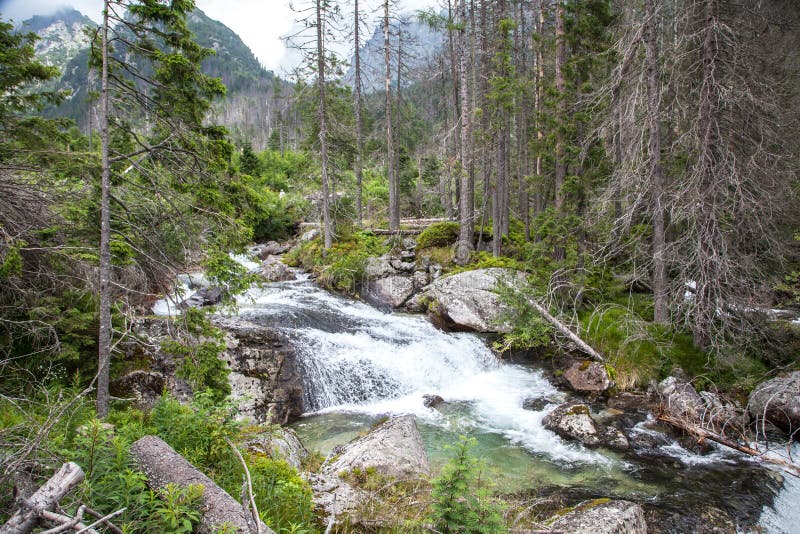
x,y
250,109
62,35
419,45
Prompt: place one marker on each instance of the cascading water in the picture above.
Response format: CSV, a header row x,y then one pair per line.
x,y
359,364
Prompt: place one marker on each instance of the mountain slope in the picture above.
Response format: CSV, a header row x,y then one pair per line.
x,y
249,109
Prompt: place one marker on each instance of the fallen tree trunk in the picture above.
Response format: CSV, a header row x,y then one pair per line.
x,y
704,433
162,466
565,330
44,499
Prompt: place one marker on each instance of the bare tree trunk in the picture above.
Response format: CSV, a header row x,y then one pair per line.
x,y
660,304
465,246
561,168
104,332
394,207
323,130
359,125
539,195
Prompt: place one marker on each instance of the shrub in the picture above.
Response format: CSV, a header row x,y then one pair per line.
x,y
461,504
440,234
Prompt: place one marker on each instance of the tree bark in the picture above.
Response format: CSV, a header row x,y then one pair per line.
x,y
162,466
394,206
660,304
104,331
323,130
44,499
466,231
359,125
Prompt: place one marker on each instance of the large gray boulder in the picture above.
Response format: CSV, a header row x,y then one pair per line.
x,y
392,290
680,399
378,266
588,377
274,270
265,382
203,297
281,443
573,421
602,516
394,449
778,402
467,300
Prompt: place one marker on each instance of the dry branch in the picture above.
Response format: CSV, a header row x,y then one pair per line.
x,y
44,499
566,331
704,433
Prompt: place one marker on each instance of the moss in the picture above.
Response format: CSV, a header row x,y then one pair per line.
x,y
585,365
440,234
578,409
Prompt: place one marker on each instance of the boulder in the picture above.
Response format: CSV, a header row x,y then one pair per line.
x,y
778,402
467,300
680,399
378,267
310,235
402,266
273,248
409,243
203,297
281,443
588,377
333,495
265,382
391,291
602,516
145,386
393,449
408,255
431,401
573,421
274,270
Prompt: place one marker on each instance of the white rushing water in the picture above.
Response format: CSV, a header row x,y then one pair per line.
x,y
358,359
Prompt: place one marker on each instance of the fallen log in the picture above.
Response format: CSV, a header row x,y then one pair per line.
x,y
44,499
566,331
162,466
704,433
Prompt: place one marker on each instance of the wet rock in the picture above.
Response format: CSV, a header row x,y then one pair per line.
x,y
431,401
602,516
393,449
588,377
680,399
403,266
536,404
280,443
145,386
378,267
274,270
203,297
265,382
333,495
310,235
391,291
409,243
778,402
573,421
629,401
467,300
273,248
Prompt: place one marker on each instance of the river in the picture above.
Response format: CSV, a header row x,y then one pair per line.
x,y
360,364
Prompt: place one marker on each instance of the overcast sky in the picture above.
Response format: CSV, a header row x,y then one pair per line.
x,y
260,23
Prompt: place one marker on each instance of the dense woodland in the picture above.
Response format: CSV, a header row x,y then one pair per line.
x,y
637,159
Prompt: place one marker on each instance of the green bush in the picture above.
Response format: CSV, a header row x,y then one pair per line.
x,y
461,503
439,234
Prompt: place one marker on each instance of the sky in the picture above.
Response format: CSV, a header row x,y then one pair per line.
x,y
260,23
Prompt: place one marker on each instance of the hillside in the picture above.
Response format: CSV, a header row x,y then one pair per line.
x,y
250,105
